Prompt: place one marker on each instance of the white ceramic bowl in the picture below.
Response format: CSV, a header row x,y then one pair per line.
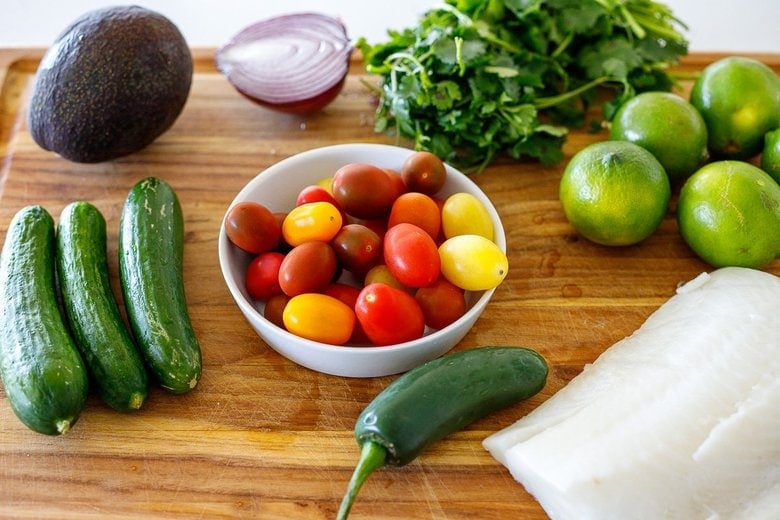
x,y
277,188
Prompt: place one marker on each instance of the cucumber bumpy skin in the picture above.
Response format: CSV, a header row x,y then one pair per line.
x,y
438,398
92,311
45,378
151,247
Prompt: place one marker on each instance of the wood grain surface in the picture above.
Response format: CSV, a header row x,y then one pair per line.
x,y
261,437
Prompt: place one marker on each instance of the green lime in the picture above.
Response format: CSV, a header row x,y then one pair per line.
x,y
667,126
770,157
614,193
729,214
739,99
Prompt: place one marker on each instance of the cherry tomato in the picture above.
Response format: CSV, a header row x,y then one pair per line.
x,y
311,221
274,309
357,248
252,227
348,294
418,209
411,255
363,190
314,193
424,172
389,315
262,275
319,317
381,274
308,267
441,302
472,262
464,214
397,180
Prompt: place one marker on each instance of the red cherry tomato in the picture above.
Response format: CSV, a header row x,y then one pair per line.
x,y
308,267
314,193
389,315
252,227
418,209
424,172
357,248
411,255
363,190
348,294
397,180
262,275
442,303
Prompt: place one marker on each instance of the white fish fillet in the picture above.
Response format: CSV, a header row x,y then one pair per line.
x,y
680,420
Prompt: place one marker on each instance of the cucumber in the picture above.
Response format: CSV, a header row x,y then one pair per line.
x,y
92,311
151,246
436,399
45,378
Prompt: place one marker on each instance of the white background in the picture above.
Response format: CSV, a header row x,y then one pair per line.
x,y
714,25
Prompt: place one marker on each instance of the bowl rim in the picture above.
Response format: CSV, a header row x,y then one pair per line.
x,y
246,306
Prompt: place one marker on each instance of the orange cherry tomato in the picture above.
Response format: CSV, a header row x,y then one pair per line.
x,y
311,221
418,209
319,317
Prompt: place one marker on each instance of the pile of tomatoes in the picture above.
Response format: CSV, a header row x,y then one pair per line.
x,y
409,255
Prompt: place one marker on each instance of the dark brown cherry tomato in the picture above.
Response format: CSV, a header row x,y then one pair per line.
x,y
307,268
424,172
411,255
389,315
252,227
274,309
442,303
363,190
357,248
262,275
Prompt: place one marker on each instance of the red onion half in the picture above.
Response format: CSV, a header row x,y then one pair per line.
x,y
292,63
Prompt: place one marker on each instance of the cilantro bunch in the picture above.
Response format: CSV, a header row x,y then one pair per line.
x,y
476,78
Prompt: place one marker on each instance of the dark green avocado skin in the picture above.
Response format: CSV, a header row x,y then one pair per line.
x,y
112,82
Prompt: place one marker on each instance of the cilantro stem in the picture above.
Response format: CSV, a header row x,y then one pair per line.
x,y
551,101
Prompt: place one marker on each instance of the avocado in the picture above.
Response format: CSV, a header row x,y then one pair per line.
x,y
110,84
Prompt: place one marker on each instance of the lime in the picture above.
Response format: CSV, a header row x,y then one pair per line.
x,y
668,126
770,157
739,99
729,214
614,192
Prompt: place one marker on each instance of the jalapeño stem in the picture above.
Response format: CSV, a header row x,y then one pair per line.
x,y
372,457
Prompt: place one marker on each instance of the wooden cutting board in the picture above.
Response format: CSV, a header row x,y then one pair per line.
x,y
261,437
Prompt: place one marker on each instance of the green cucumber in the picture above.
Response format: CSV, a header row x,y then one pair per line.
x,y
151,246
44,376
436,399
92,311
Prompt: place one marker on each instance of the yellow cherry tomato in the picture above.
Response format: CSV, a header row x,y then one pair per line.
x,y
326,183
319,317
472,262
464,214
312,221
